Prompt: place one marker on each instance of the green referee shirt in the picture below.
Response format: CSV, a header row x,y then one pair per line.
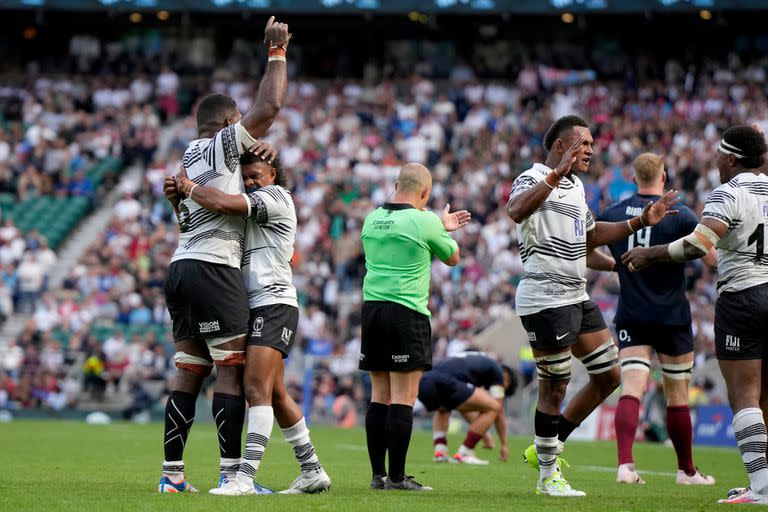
x,y
399,242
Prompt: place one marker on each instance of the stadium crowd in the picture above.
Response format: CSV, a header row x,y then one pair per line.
x,y
343,144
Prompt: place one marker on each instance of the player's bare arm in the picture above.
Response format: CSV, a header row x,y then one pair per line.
x,y
217,201
653,213
501,429
210,198
269,98
599,260
522,206
691,247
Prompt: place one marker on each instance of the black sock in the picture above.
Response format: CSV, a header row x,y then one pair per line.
x,y
545,425
375,434
564,428
399,426
229,414
179,415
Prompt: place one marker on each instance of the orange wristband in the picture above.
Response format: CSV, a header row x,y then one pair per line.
x,y
276,53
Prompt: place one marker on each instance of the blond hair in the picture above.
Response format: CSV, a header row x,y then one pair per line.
x,y
648,168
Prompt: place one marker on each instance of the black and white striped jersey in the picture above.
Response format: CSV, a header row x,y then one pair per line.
x,y
270,238
742,205
215,162
553,245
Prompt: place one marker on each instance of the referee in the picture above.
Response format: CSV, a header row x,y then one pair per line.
x,y
399,240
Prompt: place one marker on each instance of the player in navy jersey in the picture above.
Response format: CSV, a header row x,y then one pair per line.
x,y
653,314
734,221
473,383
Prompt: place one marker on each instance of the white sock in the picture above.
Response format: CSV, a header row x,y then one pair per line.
x,y
547,449
260,419
229,467
174,469
298,437
749,428
439,447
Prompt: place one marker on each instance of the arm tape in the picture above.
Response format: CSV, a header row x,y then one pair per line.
x,y
702,238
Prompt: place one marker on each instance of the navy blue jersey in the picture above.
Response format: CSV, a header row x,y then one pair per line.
x,y
472,368
654,295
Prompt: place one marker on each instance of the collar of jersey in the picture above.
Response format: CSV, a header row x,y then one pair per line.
x,y
397,206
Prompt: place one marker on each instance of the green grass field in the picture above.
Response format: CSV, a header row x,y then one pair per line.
x,y
65,466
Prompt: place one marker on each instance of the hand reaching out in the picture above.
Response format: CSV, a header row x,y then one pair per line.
x,y
455,220
653,213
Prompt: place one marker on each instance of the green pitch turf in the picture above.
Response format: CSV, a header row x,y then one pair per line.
x,y
65,466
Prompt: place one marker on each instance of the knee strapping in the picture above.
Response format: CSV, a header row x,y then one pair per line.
x,y
554,366
602,359
195,364
227,357
680,371
635,363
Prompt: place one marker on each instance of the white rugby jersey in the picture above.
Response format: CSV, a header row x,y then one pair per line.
x,y
215,162
553,245
270,236
742,205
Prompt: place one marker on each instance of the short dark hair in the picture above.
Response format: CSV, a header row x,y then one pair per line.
x,y
560,126
248,158
751,143
213,110
512,380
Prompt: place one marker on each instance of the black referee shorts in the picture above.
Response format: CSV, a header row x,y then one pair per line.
x,y
205,300
395,338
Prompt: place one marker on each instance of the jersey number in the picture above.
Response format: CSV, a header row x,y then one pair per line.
x,y
642,238
758,238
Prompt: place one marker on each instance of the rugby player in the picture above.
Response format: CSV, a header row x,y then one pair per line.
x,y
733,221
555,229
204,291
654,315
266,269
470,382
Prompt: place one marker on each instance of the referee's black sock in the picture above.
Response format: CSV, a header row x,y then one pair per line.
x,y
399,426
375,434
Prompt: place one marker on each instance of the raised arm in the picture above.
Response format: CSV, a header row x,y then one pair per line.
x,y
523,204
269,97
653,213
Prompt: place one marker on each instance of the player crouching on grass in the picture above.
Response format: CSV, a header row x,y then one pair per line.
x,y
475,385
271,223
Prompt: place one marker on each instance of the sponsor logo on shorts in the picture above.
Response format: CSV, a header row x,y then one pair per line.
x,y
531,336
258,324
209,326
732,343
362,356
286,337
400,358
558,338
